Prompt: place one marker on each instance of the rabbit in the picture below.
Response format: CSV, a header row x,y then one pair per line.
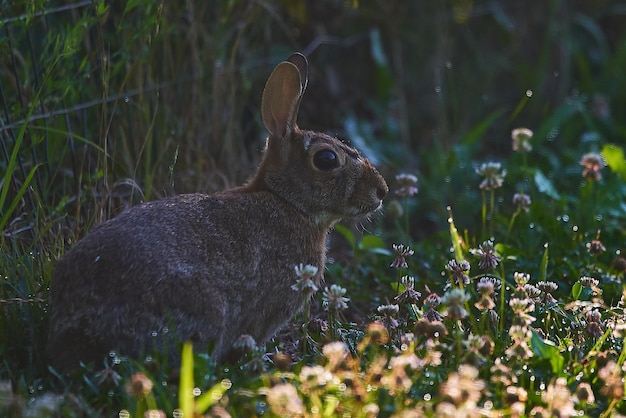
x,y
210,268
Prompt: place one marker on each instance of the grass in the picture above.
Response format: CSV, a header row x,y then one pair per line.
x,y
482,294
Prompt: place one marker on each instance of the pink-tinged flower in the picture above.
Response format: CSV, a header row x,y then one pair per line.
x,y
458,269
488,258
402,253
593,164
408,185
595,247
522,201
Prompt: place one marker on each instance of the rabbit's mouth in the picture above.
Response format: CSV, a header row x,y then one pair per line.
x,y
365,210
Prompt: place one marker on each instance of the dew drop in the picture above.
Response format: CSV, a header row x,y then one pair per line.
x,y
575,228
437,89
599,218
531,225
427,397
529,93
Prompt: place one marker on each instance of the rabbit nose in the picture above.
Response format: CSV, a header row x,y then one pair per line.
x,y
381,192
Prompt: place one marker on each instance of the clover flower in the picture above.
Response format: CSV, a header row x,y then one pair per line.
x,y
547,287
514,394
521,139
409,295
486,287
521,278
313,377
488,256
584,393
520,349
401,253
336,353
408,185
611,373
455,300
139,385
594,323
388,313
493,178
464,386
457,271
398,379
521,310
559,399
333,298
595,247
431,303
430,329
283,400
532,292
589,281
305,283
522,201
593,164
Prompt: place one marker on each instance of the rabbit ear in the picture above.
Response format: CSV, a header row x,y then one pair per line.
x,y
300,61
282,94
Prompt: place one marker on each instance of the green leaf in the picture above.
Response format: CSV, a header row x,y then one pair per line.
x,y
507,252
577,290
373,244
457,242
614,157
544,185
346,233
547,350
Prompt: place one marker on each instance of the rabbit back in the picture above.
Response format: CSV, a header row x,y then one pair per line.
x,y
191,267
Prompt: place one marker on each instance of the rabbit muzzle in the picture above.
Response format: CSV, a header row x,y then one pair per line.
x,y
369,192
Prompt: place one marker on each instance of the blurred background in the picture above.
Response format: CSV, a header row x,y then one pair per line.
x,y
105,104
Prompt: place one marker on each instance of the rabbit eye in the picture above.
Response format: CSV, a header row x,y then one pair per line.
x,y
325,160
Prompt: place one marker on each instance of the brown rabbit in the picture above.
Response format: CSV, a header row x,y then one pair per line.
x,y
209,268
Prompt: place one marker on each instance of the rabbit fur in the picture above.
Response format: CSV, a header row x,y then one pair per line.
x,y
209,268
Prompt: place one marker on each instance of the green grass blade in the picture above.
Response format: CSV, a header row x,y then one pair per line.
x,y
185,391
